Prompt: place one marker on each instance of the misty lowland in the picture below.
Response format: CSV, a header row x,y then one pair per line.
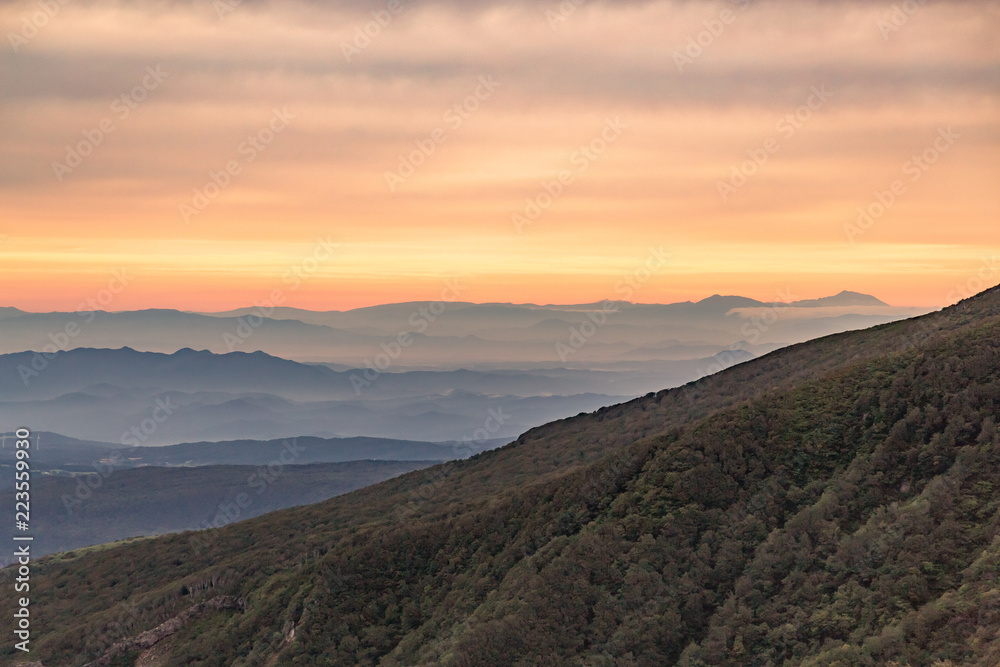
x,y
724,482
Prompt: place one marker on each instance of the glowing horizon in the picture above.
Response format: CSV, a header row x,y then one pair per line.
x,y
535,153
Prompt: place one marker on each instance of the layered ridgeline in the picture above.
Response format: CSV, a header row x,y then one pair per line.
x,y
149,398
835,502
449,335
414,371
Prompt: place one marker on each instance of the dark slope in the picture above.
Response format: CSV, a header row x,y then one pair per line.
x,y
830,503
74,512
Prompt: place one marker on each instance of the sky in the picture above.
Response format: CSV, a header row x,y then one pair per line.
x,y
331,155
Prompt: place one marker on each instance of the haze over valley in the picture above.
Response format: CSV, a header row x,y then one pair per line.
x,y
475,372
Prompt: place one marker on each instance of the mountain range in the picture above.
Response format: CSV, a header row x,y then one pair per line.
x,y
147,398
830,503
451,335
427,371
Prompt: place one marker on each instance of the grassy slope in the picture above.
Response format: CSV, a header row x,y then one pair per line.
x,y
830,502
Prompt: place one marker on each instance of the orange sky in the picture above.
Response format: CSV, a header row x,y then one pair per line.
x,y
662,140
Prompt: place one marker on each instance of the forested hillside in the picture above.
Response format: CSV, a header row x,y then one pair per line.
x,y
832,503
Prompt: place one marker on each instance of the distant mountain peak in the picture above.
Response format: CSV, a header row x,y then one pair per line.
x,y
729,301
844,298
9,311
